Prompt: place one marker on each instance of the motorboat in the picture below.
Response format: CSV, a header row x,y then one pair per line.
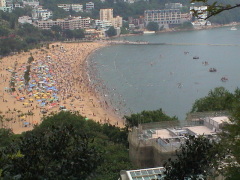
x,y
212,70
233,28
195,57
224,79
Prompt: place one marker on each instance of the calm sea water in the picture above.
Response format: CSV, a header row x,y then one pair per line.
x,y
149,77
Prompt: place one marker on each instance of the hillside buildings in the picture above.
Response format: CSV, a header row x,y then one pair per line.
x,y
150,145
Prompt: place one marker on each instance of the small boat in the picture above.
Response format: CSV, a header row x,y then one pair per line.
x,y
212,70
205,63
148,32
233,28
195,57
186,52
224,79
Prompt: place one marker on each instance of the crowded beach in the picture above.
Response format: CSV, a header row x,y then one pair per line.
x,y
44,81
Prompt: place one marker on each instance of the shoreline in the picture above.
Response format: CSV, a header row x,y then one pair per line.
x,y
183,30
63,67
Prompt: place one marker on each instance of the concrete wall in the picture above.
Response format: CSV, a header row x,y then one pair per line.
x,y
141,156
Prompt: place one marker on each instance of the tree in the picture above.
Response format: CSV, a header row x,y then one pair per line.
x,y
78,33
215,7
55,153
230,143
197,156
217,100
152,26
6,137
111,32
148,116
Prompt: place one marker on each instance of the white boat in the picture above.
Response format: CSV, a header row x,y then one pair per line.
x,y
148,32
233,28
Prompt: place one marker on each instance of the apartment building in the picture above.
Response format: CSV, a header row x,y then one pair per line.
x,y
106,15
164,17
73,23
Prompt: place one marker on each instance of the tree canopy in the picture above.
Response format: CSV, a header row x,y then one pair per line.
x,y
195,158
148,116
153,26
64,146
111,32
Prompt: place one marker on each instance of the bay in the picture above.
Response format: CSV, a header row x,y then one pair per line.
x,y
149,77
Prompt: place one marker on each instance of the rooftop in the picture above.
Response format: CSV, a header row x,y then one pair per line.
x,y
201,130
142,174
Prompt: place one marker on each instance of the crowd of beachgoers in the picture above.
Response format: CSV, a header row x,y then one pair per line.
x,y
44,81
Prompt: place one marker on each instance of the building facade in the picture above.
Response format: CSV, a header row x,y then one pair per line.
x,y
164,17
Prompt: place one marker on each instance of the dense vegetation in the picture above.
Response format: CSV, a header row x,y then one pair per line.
x,y
65,146
221,99
217,100
196,158
147,117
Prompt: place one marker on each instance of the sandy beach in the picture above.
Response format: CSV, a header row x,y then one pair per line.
x,y
43,81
